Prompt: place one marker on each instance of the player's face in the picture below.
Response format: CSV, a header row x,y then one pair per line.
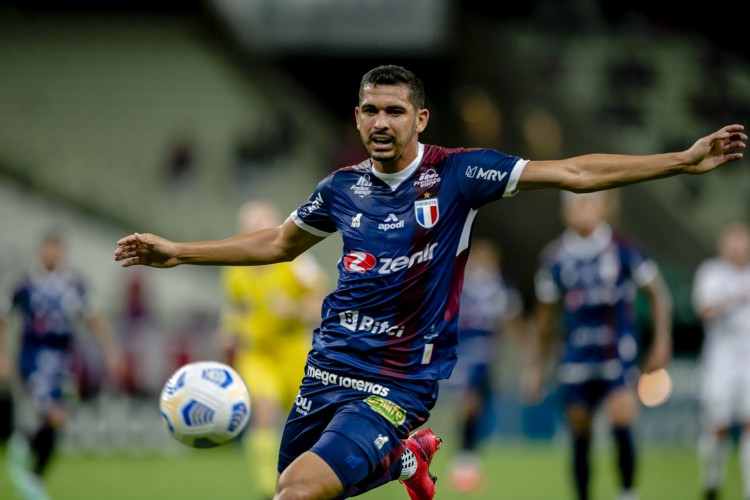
x,y
389,125
51,253
735,245
583,213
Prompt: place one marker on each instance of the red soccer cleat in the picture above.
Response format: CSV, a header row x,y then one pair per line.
x,y
423,443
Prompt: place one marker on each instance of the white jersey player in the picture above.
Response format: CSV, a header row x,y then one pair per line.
x,y
721,296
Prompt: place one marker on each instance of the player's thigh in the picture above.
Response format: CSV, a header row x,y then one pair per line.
x,y
719,402
360,444
310,477
622,406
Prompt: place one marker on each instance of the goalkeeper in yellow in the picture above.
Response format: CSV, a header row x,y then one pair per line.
x,y
265,332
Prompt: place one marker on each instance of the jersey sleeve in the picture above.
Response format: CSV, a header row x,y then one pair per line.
x,y
486,175
545,287
643,269
314,216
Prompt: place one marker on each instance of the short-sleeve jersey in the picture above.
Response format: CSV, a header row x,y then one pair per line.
x,y
262,298
718,283
596,279
51,305
488,300
394,311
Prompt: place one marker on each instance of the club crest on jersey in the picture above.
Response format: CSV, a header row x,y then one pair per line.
x,y
427,212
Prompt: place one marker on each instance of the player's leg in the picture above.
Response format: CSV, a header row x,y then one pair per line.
x,y
744,419
466,472
714,444
579,419
622,409
359,437
31,450
260,442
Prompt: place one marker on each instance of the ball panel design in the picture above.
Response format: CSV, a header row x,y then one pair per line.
x,y
205,404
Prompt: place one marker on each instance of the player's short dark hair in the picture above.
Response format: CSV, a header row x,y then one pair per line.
x,y
395,75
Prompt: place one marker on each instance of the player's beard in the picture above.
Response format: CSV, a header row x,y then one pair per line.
x,y
388,154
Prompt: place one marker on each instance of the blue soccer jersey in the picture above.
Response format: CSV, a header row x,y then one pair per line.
x,y
596,279
405,237
50,305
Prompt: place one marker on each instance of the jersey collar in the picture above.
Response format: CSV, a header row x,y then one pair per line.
x,y
395,180
587,246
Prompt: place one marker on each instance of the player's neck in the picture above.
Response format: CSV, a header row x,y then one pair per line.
x,y
408,155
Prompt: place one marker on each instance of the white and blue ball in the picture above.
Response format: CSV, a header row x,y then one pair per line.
x,y
205,404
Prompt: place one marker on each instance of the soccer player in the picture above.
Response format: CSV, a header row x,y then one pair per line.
x,y
721,297
266,327
51,301
490,305
594,274
388,331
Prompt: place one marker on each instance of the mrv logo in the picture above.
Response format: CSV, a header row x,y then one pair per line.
x,y
351,321
487,175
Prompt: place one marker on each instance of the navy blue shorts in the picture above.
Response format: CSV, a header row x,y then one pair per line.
x,y
591,393
355,423
45,373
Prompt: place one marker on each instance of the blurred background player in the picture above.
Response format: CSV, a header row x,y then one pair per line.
x,y
51,301
595,275
490,305
266,329
721,295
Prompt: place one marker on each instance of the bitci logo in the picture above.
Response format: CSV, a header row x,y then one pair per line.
x,y
359,262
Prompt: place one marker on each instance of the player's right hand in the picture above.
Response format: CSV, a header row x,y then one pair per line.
x,y
146,249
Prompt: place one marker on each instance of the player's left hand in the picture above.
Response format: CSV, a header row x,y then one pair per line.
x,y
713,150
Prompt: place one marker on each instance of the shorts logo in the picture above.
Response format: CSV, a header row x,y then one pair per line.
x,y
303,404
387,409
427,212
359,262
380,441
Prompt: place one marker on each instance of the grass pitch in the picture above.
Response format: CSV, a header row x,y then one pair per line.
x,y
514,471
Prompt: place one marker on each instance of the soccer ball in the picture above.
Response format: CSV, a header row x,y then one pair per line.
x,y
205,404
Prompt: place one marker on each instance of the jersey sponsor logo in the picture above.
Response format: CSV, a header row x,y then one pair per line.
x,y
312,206
359,262
302,404
427,179
351,321
347,382
387,409
389,266
363,186
427,212
489,174
391,222
357,220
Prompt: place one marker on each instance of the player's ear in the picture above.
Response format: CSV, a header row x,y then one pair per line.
x,y
423,116
356,116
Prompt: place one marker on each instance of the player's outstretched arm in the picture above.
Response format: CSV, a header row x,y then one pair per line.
x,y
267,246
595,172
